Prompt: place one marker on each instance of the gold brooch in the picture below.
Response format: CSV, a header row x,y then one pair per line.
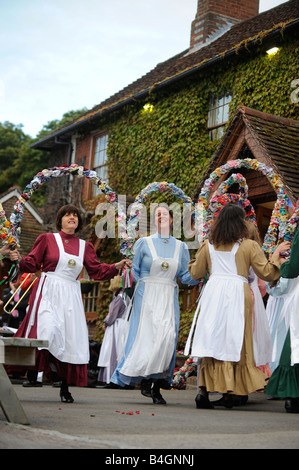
x,y
72,263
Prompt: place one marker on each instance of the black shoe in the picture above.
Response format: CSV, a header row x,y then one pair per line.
x,y
227,401
203,402
240,400
292,405
66,397
29,383
164,384
156,395
145,387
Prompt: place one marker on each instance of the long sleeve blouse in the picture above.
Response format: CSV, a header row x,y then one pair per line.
x,y
143,260
290,268
45,255
248,254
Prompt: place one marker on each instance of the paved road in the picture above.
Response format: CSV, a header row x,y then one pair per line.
x,y
124,419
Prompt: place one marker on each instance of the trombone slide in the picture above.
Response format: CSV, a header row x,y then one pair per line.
x,y
21,298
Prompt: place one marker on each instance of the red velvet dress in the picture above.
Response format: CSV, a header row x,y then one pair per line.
x,y
45,256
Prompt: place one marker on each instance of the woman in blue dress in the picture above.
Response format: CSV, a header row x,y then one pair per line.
x,y
150,347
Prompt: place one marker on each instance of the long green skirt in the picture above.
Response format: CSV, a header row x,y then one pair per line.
x,y
284,382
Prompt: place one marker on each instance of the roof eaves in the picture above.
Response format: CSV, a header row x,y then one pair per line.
x,y
87,118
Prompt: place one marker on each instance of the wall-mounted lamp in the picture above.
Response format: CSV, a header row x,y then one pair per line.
x,y
272,51
148,108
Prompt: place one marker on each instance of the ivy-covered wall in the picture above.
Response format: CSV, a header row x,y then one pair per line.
x,y
171,142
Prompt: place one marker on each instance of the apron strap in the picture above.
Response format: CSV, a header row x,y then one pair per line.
x,y
178,244
233,250
82,244
58,241
154,252
151,246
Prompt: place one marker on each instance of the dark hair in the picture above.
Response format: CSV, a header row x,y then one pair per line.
x,y
230,226
68,209
162,205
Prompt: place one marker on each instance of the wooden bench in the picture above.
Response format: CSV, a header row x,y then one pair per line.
x,y
16,352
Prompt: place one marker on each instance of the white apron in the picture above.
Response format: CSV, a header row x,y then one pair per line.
x,y
289,318
220,326
154,344
112,339
61,317
262,344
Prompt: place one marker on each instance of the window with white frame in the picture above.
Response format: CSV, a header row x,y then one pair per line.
x,y
218,115
100,164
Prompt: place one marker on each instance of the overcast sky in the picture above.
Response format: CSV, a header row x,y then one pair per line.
x,y
63,55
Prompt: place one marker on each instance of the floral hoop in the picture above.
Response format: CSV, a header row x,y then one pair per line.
x,y
129,233
292,223
278,227
221,197
10,230
181,375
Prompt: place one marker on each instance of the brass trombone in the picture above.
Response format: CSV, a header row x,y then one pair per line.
x,y
21,298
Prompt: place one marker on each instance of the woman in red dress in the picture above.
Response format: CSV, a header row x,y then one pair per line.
x,y
56,312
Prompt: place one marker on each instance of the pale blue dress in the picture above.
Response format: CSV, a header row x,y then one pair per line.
x,y
148,254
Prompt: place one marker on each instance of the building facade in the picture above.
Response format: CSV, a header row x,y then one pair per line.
x,y
169,124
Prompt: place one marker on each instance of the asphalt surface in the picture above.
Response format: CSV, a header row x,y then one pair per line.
x,y
119,420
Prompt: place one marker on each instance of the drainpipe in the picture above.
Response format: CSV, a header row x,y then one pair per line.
x,y
69,161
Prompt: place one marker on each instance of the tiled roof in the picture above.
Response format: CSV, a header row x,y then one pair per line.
x,y
230,40
239,36
273,139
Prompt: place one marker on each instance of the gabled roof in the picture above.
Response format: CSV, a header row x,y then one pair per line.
x,y
15,192
246,34
271,139
32,222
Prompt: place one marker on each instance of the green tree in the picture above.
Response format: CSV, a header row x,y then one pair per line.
x,y
19,163
56,123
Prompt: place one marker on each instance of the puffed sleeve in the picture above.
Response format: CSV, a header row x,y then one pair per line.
x,y
290,268
34,260
183,273
198,267
96,270
265,269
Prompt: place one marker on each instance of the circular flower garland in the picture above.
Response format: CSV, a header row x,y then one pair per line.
x,y
5,234
292,223
10,231
221,197
181,375
278,226
129,234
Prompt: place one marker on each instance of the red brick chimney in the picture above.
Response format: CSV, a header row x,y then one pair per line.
x,y
215,17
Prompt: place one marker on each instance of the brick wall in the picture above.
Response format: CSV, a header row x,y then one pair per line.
x,y
216,16
57,193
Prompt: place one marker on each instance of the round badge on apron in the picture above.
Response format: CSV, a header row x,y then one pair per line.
x,y
61,316
157,322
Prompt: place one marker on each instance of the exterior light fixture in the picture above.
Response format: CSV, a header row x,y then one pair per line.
x,y
272,51
148,108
